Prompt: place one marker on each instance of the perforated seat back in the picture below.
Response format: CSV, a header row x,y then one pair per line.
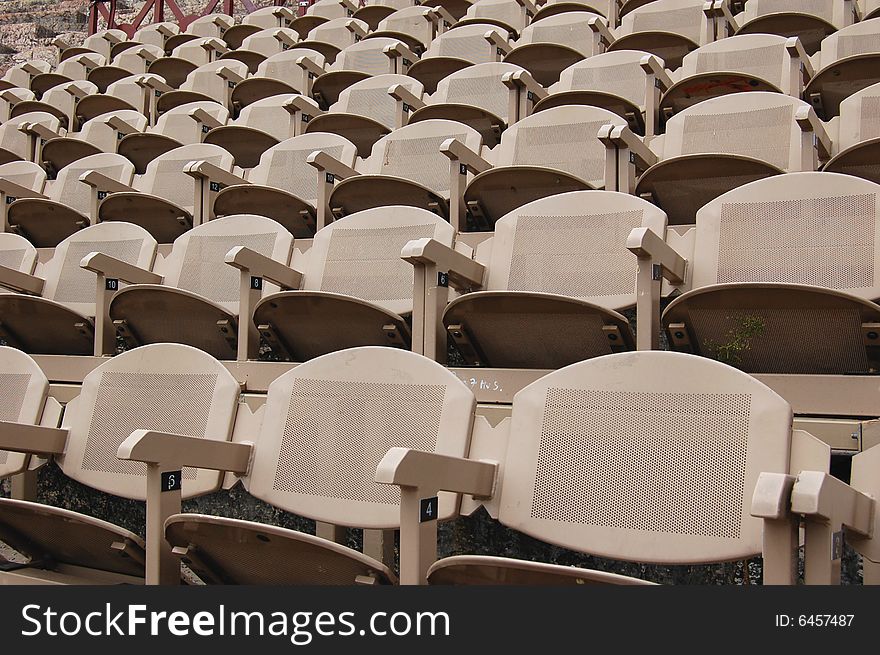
x,y
563,138
818,229
331,9
165,178
857,39
20,77
330,421
68,283
617,73
509,12
23,391
102,42
16,141
210,25
572,244
682,17
414,21
129,90
860,117
336,32
467,42
283,66
359,255
647,456
207,80
824,9
24,173
284,166
195,51
479,86
370,97
60,97
570,29
266,42
16,253
179,125
366,56
78,67
413,152
137,59
269,115
151,35
68,190
100,134
755,124
166,387
265,17
196,262
761,55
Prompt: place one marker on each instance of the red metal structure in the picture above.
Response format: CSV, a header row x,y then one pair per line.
x,y
104,12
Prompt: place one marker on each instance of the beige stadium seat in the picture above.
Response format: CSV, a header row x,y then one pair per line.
x,y
183,125
381,398
608,9
185,58
20,136
21,75
549,46
100,43
483,96
291,71
194,296
263,44
415,25
848,61
100,134
213,26
157,34
455,8
869,8
776,284
74,69
748,62
169,198
11,96
283,186
54,310
668,29
407,167
197,397
374,12
551,152
261,125
209,82
809,20
68,204
60,101
457,49
135,60
355,290
128,94
857,146
649,457
19,179
627,82
511,15
365,111
321,12
17,254
24,391
331,37
261,19
551,284
359,61
719,144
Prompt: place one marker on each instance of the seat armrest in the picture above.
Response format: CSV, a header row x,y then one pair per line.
x,y
39,130
310,69
253,268
206,120
110,267
420,476
155,83
203,170
165,31
771,502
601,32
32,70
435,267
462,160
32,439
23,282
302,109
442,18
284,39
352,26
146,55
810,125
327,163
229,75
13,191
797,53
398,52
459,153
652,67
120,125
725,21
501,45
525,93
215,45
626,157
165,455
656,261
407,102
529,6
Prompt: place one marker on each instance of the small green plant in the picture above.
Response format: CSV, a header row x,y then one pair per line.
x,y
739,339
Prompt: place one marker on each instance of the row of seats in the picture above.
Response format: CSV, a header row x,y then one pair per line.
x,y
382,439
778,276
